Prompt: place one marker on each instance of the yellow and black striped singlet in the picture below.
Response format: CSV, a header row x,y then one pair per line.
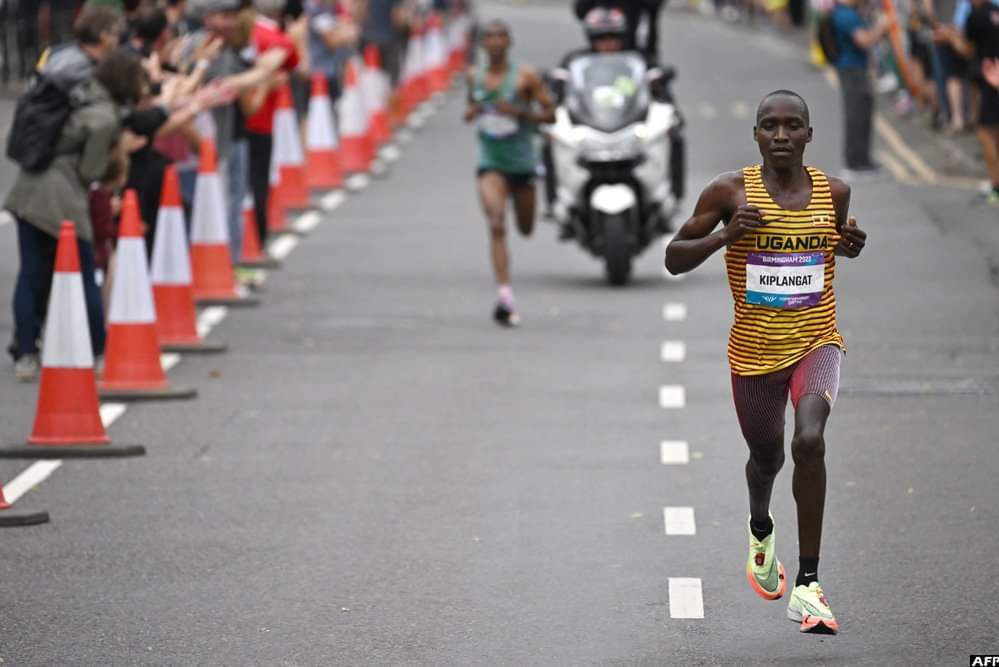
x,y
789,308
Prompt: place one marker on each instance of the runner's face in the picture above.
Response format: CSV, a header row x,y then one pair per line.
x,y
496,42
782,131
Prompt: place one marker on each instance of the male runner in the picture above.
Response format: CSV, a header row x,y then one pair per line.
x,y
783,225
501,97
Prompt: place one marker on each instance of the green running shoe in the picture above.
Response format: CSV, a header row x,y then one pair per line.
x,y
808,605
764,572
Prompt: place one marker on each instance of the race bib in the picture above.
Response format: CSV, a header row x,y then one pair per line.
x,y
497,126
785,280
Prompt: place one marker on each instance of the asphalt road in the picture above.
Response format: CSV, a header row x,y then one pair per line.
x,y
376,474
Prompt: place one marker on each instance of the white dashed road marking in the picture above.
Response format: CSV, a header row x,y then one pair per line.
x,y
675,312
679,521
332,201
674,452
685,599
673,351
282,246
306,222
672,396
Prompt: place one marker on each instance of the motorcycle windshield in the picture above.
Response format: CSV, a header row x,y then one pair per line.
x,y
607,91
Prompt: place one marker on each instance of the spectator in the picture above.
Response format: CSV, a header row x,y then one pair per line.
x,y
382,25
88,143
98,33
982,34
955,65
332,40
181,23
854,38
267,35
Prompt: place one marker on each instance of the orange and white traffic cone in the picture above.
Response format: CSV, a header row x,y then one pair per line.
x,y
322,147
375,86
458,43
211,262
413,88
438,78
355,141
287,159
10,518
68,421
171,275
132,368
251,254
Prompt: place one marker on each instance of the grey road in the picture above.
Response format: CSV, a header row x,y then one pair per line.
x,y
376,474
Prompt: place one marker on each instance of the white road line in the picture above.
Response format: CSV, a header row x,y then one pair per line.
x,y
306,222
357,182
209,318
707,110
679,521
673,351
333,200
675,312
110,412
674,452
740,109
29,478
169,360
282,246
672,396
685,599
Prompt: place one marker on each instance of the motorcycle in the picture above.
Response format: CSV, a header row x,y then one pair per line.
x,y
618,157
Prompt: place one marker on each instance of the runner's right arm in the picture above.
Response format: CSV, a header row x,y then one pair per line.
x,y
697,239
473,109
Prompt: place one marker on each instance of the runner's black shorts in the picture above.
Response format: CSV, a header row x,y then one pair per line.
x,y
514,180
989,110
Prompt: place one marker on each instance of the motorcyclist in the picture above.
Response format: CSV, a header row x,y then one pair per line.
x,y
634,11
607,31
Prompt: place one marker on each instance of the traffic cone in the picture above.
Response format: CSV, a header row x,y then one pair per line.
x,y
438,78
67,420
455,43
376,87
211,263
132,368
171,275
287,160
355,141
251,254
322,154
8,518
413,83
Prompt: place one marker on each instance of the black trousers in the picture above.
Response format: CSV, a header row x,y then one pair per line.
x,y
261,146
858,114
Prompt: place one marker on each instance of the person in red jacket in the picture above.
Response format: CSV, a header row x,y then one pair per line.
x,y
267,35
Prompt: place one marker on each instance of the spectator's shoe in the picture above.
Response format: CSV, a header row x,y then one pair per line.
x,y
808,606
26,368
992,198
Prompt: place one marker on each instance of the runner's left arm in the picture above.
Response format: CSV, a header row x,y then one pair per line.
x,y
852,238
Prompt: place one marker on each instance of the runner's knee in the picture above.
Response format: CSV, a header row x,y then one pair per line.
x,y
768,460
808,447
497,232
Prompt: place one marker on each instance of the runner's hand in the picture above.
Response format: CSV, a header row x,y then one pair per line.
x,y
746,219
472,112
508,109
853,239
990,70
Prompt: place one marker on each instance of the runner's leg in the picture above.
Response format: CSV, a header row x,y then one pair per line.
x,y
524,205
759,403
493,193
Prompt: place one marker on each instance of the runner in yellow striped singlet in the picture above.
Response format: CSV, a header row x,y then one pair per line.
x,y
784,224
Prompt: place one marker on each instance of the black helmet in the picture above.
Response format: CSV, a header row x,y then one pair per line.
x,y
605,22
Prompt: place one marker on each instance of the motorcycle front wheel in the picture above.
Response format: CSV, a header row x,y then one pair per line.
x,y
617,249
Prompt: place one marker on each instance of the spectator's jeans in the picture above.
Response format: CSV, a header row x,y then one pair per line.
x,y
34,280
858,113
238,169
260,146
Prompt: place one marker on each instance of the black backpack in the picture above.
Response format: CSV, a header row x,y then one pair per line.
x,y
825,33
39,117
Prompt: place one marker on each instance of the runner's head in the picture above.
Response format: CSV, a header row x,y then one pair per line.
x,y
605,29
496,40
782,128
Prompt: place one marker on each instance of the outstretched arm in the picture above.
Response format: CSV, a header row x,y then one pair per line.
x,y
697,239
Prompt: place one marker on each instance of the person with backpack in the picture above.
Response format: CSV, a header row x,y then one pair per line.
x,y
851,40
86,145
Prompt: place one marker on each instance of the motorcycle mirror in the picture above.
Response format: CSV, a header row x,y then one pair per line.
x,y
559,74
667,74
